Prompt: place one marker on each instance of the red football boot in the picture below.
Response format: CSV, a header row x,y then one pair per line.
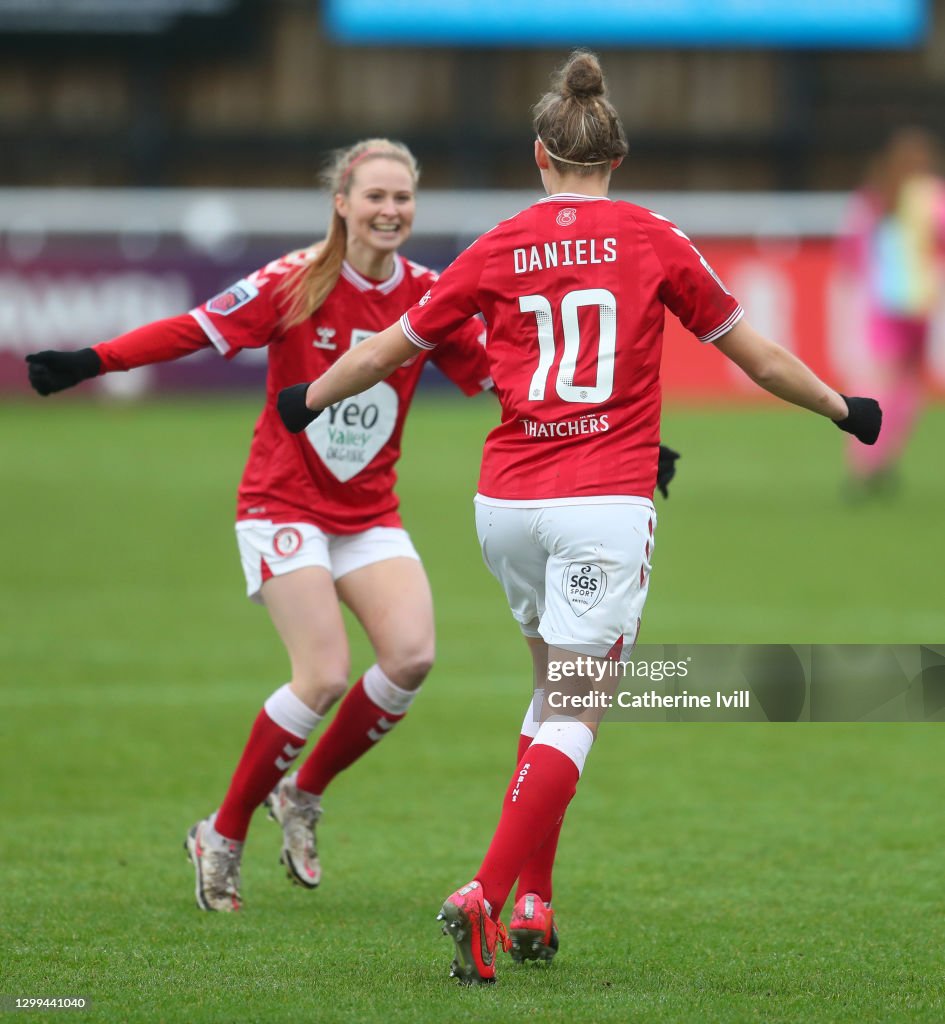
x,y
475,935
532,930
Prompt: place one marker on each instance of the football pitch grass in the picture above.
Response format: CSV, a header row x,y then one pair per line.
x,y
724,872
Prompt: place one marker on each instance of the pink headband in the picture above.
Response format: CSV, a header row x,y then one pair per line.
x,y
362,156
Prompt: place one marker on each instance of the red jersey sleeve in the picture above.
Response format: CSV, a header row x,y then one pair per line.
x,y
451,301
154,343
249,313
464,359
690,289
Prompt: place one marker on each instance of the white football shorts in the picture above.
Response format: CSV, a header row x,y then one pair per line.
x,y
574,574
273,549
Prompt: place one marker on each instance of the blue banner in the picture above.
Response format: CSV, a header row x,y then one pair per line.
x,y
640,23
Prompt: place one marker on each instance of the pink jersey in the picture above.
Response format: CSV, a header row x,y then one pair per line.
x,y
573,290
338,474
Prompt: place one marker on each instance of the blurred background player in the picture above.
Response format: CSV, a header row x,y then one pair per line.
x,y
574,290
317,520
893,249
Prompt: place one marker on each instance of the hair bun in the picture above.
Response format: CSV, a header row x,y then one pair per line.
x,y
582,76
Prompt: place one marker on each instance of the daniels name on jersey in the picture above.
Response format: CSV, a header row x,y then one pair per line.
x,y
569,252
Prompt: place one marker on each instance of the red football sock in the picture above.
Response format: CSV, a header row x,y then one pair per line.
x,y
536,874
535,802
269,751
357,726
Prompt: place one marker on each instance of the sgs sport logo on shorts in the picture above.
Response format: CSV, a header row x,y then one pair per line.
x,y
287,541
583,584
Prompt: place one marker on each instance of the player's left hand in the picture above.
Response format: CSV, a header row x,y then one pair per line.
x,y
666,469
293,411
864,419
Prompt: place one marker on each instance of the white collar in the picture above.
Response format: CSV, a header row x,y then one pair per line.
x,y
364,284
573,197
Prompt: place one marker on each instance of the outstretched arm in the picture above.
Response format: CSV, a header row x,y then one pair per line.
x,y
51,371
778,371
784,375
357,370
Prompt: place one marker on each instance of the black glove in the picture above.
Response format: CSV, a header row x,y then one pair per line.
x,y
665,469
293,411
864,419
52,371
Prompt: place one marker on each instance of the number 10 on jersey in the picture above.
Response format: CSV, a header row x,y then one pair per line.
x,y
571,303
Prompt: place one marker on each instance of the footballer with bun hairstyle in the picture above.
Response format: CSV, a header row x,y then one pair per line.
x,y
574,290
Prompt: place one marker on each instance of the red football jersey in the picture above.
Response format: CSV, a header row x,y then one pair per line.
x,y
338,474
574,290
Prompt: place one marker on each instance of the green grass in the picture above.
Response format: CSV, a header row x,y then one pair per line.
x,y
707,872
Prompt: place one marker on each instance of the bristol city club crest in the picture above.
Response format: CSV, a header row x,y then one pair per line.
x,y
287,541
583,584
566,217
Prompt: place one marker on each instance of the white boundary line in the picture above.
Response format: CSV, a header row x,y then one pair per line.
x,y
302,213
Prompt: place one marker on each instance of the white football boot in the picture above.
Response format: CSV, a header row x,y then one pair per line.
x,y
298,813
216,861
